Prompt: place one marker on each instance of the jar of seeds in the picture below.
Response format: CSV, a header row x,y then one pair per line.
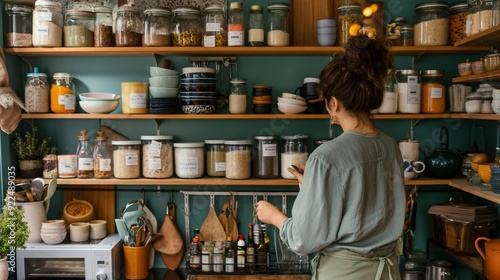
x,y
36,92
348,15
128,27
103,27
18,24
238,159
187,26
79,29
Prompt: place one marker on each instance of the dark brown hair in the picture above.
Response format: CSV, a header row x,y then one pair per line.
x,y
356,79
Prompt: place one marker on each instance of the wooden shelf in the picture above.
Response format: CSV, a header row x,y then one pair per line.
x,y
251,277
491,35
475,263
483,77
461,184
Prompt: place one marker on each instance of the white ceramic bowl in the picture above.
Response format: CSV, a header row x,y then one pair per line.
x,y
293,96
53,224
495,95
97,229
161,92
291,101
79,232
496,109
52,231
98,96
164,81
159,71
290,108
53,239
99,107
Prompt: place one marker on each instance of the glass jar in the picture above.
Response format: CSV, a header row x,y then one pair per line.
x,y
79,29
207,252
66,166
485,15
390,101
406,35
47,24
293,152
496,13
18,26
49,166
238,159
157,156
472,18
157,27
431,24
126,159
409,91
265,163
128,27
103,27
215,26
393,31
134,98
36,92
62,96
84,157
235,25
102,158
216,158
473,103
348,14
237,96
278,33
457,23
256,26
433,91
189,159
188,26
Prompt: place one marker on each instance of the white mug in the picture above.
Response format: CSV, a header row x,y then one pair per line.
x,y
412,168
409,149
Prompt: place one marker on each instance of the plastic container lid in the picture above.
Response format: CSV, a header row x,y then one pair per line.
x,y
407,72
238,142
214,142
157,137
183,10
189,145
35,74
295,137
435,4
265,137
311,80
126,142
255,8
102,9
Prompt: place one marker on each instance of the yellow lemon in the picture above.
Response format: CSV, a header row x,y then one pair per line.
x,y
367,11
353,30
374,8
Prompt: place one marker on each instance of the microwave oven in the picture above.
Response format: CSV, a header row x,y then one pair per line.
x,y
94,259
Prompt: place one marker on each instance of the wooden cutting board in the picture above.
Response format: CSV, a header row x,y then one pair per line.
x,y
223,215
211,229
170,242
173,261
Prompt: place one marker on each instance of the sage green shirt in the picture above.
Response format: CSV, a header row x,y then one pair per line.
x,y
352,197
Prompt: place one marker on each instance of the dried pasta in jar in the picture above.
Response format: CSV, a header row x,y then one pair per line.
x,y
157,156
126,159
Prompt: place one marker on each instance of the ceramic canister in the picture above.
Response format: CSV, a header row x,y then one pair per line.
x,y
409,149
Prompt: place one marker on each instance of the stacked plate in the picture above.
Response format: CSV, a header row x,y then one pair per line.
x,y
290,103
197,92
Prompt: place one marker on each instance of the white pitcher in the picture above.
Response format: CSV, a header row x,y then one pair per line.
x,y
34,213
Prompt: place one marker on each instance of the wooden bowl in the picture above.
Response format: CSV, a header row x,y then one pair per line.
x,y
78,211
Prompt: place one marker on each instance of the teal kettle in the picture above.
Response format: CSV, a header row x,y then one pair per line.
x,y
442,163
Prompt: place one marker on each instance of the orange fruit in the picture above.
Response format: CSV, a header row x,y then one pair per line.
x,y
353,30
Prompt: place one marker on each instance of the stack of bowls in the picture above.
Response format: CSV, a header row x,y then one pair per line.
x,y
262,99
290,103
53,231
99,102
327,31
163,88
495,103
495,178
197,93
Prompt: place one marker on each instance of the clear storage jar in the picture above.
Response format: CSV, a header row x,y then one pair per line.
x,y
66,166
18,26
187,26
409,91
215,26
102,158
36,93
103,27
134,98
62,96
390,101
278,33
256,26
189,159
457,23
406,35
236,25
496,13
79,28
431,24
237,96
47,24
393,31
216,158
157,156
433,91
238,159
472,18
84,157
126,159
129,27
485,15
293,152
348,14
157,27
265,162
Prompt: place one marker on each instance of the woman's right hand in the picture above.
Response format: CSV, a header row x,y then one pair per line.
x,y
298,175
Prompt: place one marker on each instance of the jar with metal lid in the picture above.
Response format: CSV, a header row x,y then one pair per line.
x,y
129,27
348,14
62,96
189,159
238,159
207,252
278,33
393,31
134,98
390,101
102,158
187,26
126,159
265,162
157,27
79,28
18,26
472,18
431,24
237,96
256,26
103,26
457,23
293,152
473,103
36,92
235,25
47,24
215,26
84,157
409,91
216,158
406,35
485,15
157,156
433,91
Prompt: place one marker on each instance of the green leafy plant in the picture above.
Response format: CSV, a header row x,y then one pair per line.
x,y
14,231
30,147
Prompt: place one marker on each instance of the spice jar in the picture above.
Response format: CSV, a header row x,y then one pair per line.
x,y
188,26
215,26
278,33
406,35
348,14
189,160
473,103
457,23
79,29
265,163
18,26
126,159
157,27
390,101
157,156
472,18
102,159
128,27
433,91
485,15
49,165
237,96
256,26
47,24
238,159
216,158
207,251
84,157
62,96
103,27
431,24
409,91
134,98
293,152
66,166
235,25
36,92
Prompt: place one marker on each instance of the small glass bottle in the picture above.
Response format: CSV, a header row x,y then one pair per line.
x,y
433,92
47,24
485,15
187,26
256,26
215,29
238,159
62,96
348,14
36,92
390,101
84,157
293,152
265,162
393,31
237,96
195,254
18,26
157,27
236,25
278,33
102,159
128,27
230,255
216,158
103,27
79,29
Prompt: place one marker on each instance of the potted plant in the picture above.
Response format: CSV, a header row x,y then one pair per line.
x,y
30,150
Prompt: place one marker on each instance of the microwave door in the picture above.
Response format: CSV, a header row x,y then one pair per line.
x,y
63,264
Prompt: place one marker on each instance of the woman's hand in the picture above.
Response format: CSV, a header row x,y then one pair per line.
x,y
298,174
269,214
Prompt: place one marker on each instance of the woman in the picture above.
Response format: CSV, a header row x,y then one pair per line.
x,y
350,208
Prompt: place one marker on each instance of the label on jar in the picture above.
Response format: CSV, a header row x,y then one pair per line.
x,y
436,93
67,100
188,166
220,166
154,164
413,90
43,16
212,27
105,164
154,149
138,100
42,30
235,38
209,41
269,150
66,166
85,164
132,159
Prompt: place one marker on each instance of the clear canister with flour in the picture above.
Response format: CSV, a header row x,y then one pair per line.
x,y
409,91
79,28
18,26
36,92
157,27
126,159
157,156
189,159
48,24
266,153
390,101
293,152
216,158
431,24
238,159
134,98
278,33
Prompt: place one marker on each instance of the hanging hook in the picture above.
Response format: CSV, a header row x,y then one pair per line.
x,y
170,196
158,190
143,191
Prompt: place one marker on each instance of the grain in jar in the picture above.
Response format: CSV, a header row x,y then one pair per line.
x,y
189,159
215,26
278,34
409,91
187,26
457,23
431,24
36,92
472,18
134,98
348,15
238,159
293,152
129,27
157,156
47,24
18,26
49,166
216,158
265,162
485,15
126,159
102,158
433,92
103,27
79,29
62,96
157,27
84,157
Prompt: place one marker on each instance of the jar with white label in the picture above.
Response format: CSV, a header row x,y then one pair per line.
x,y
66,166
236,25
215,26
84,157
265,163
433,91
216,158
157,156
126,159
409,91
62,95
134,98
102,159
47,24
293,152
189,159
238,159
